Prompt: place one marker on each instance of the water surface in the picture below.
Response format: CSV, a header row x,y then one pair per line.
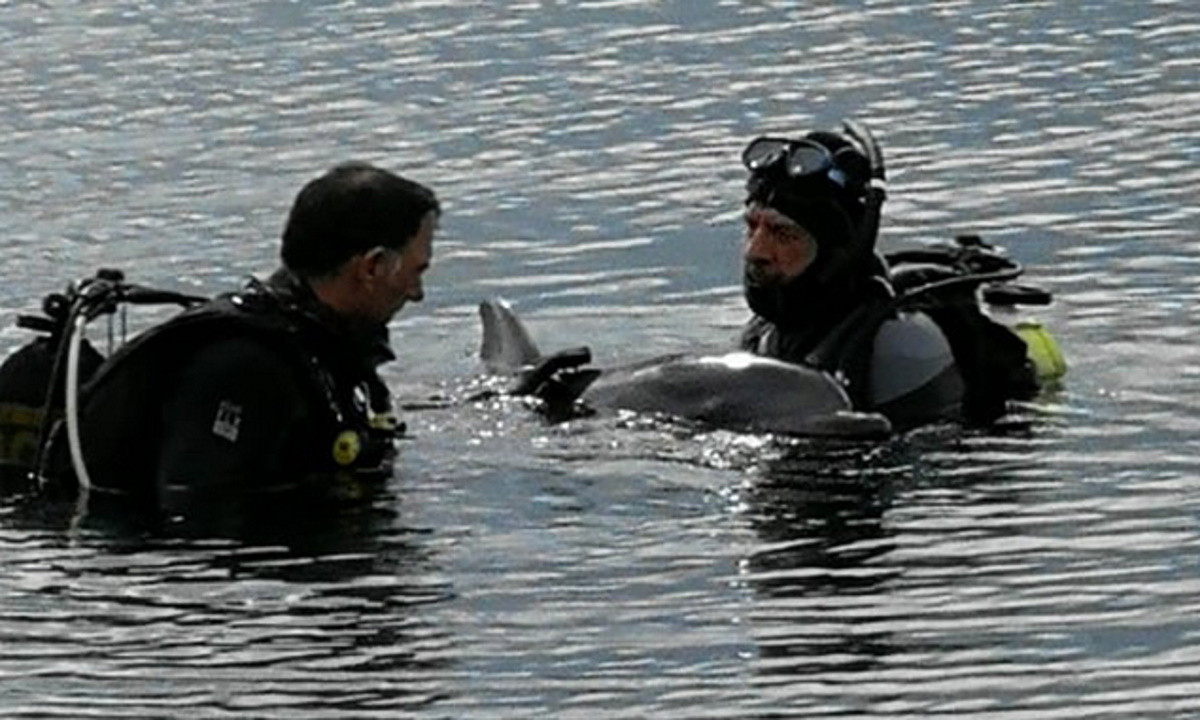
x,y
587,157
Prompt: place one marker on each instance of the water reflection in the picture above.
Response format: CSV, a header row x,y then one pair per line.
x,y
587,153
846,537
820,519
225,624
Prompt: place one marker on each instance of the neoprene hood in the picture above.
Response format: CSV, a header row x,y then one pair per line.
x,y
837,201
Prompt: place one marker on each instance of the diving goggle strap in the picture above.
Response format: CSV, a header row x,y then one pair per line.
x,y
801,159
876,186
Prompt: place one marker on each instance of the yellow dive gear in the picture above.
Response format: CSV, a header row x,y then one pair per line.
x,y
1043,351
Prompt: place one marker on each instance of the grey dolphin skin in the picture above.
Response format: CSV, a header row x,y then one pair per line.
x,y
737,391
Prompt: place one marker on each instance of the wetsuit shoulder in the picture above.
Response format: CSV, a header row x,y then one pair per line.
x,y
912,377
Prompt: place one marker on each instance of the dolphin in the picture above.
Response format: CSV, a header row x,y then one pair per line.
x,y
736,391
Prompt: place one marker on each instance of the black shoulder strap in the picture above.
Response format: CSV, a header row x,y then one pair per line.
x,y
846,351
992,360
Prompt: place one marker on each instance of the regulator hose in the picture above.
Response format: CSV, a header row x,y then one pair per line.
x,y
72,402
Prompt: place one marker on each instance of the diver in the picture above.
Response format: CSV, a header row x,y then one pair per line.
x,y
904,333
868,343
263,391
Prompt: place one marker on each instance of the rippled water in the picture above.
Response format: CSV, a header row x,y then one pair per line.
x,y
586,153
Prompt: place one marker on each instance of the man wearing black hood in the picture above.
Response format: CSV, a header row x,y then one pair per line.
x,y
820,293
807,265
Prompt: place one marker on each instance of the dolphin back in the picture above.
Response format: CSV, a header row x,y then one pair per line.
x,y
738,391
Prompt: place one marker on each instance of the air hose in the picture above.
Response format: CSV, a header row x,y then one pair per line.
x,y
101,295
71,399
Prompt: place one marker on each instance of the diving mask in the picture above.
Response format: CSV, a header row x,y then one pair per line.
x,y
802,160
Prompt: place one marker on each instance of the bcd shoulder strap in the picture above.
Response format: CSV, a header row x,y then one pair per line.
x,y
946,282
991,359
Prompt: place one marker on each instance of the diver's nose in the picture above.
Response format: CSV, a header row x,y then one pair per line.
x,y
759,250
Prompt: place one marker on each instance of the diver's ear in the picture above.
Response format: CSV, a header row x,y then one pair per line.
x,y
357,267
377,262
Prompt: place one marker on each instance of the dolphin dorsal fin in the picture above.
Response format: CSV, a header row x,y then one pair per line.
x,y
506,345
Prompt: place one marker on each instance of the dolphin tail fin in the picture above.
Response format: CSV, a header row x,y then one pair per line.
x,y
507,345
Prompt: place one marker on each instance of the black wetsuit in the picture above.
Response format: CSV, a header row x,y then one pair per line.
x,y
258,394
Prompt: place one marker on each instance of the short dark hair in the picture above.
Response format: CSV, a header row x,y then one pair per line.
x,y
349,210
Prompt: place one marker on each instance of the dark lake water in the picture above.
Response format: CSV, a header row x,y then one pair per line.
x,y
587,156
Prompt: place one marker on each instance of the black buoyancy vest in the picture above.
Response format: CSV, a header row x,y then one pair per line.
x,y
119,405
992,359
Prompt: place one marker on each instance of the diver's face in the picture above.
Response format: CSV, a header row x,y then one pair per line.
x,y
396,275
777,250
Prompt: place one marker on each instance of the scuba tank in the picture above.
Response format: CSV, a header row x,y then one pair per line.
x,y
40,382
949,281
970,263
968,288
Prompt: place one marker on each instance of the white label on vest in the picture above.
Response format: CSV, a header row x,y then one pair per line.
x,y
228,421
